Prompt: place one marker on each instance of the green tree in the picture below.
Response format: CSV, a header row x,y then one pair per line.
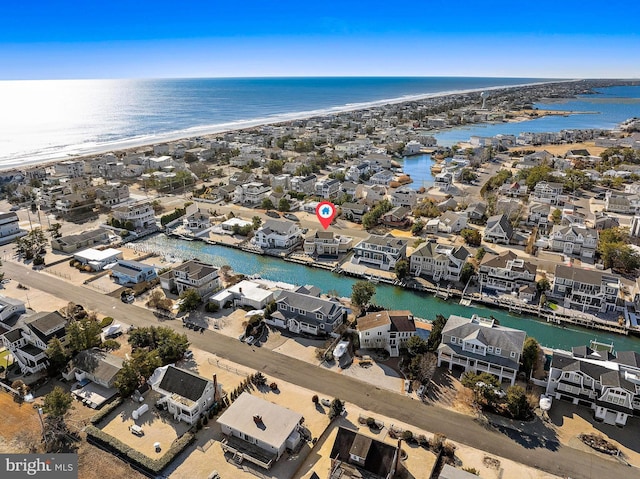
x,y
274,167
484,386
402,269
480,253
336,408
468,176
417,228
467,272
361,293
370,219
517,402
110,345
284,205
84,333
435,337
615,252
543,285
416,345
256,222
189,300
57,356
556,216
54,229
127,379
146,362
57,403
267,204
530,353
471,236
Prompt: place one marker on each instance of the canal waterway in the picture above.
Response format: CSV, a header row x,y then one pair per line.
x,y
418,167
420,304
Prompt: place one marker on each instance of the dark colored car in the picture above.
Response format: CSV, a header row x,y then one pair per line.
x,y
272,214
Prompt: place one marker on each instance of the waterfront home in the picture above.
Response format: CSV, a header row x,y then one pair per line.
x,y
380,251
355,455
353,211
192,274
412,148
186,395
326,244
478,344
140,215
128,272
388,330
398,217
258,431
304,313
28,341
575,239
404,196
245,293
587,290
506,272
498,230
373,194
382,178
443,180
548,192
438,261
10,227
327,188
97,259
277,234
607,383
251,194
304,184
72,243
452,222
69,168
196,219
625,203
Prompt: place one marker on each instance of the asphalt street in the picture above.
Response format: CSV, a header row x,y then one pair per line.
x,y
548,454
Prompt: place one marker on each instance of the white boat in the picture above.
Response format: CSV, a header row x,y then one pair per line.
x,y
545,402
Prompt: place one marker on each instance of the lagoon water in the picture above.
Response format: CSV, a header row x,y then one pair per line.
x,y
422,305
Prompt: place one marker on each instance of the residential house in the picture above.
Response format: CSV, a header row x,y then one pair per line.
x,y
196,220
192,274
281,181
574,239
74,204
548,192
277,234
303,313
398,217
634,228
186,395
447,204
326,244
514,190
539,215
506,272
10,227
587,290
358,456
452,222
241,177
28,342
97,259
498,230
351,190
245,293
478,344
443,180
128,272
251,194
259,431
357,172
225,192
624,203
72,243
476,212
10,307
304,184
382,178
604,222
412,148
404,196
353,211
607,383
387,330
380,251
141,215
96,366
112,194
373,194
438,261
69,168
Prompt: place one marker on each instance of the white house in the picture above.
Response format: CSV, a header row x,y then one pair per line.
x,y
10,227
438,261
380,251
250,194
387,330
98,259
141,214
326,244
277,234
192,274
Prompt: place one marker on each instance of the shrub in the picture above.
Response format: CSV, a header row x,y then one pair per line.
x,y
437,441
212,307
371,422
273,386
104,412
106,321
315,399
407,436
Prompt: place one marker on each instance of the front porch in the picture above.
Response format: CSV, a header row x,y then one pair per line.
x,y
501,372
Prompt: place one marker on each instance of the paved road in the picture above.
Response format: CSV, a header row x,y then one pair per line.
x,y
535,450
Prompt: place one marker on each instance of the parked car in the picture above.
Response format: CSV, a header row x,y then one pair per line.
x,y
272,214
188,354
136,430
291,217
249,340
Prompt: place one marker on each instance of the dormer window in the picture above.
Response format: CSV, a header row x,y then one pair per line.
x,y
498,350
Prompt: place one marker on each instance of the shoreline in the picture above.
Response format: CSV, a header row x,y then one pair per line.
x,y
125,144
558,320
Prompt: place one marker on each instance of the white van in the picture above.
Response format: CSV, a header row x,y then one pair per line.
x,y
136,430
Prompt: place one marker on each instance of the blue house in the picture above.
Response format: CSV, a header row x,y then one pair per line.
x,y
132,272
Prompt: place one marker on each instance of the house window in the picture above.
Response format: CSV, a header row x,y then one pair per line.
x,y
490,349
318,316
454,339
513,354
498,350
379,333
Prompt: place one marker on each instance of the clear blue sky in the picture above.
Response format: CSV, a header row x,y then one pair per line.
x,y
45,39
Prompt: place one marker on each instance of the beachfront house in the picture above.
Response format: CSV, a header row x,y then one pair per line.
x,y
245,293
259,431
574,239
387,330
498,230
607,383
304,313
277,235
192,274
381,252
186,395
587,290
478,344
28,341
438,261
128,272
506,273
382,178
326,244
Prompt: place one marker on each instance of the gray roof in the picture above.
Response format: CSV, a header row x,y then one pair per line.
x,y
501,261
502,221
183,383
130,267
196,269
101,364
581,275
308,303
387,240
13,335
567,362
507,339
379,457
629,358
41,323
450,472
280,227
616,380
90,235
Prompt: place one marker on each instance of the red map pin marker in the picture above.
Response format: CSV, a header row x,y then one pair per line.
x,y
325,212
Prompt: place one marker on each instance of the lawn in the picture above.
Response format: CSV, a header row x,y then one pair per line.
x,y
4,358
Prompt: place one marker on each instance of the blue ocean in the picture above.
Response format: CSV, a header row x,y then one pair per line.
x,y
45,120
